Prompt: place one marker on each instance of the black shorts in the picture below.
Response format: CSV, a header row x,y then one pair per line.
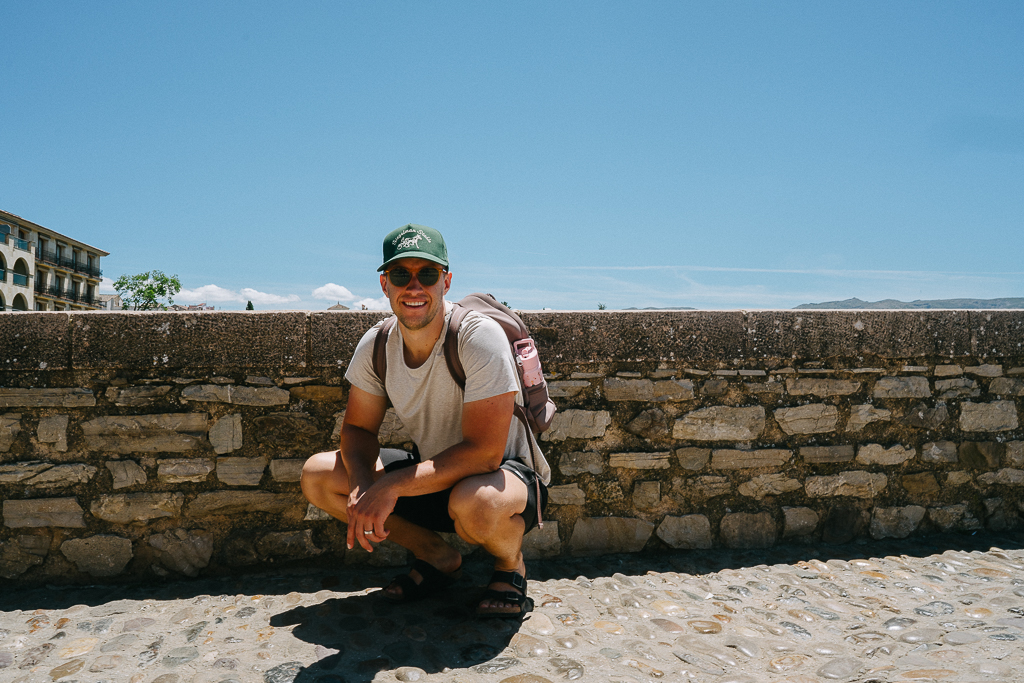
x,y
431,510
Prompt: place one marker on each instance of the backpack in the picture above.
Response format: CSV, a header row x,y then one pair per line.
x,y
537,411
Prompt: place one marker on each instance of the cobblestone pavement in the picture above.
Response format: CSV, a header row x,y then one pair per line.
x,y
943,608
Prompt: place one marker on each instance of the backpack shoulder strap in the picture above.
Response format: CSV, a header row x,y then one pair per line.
x,y
380,348
451,346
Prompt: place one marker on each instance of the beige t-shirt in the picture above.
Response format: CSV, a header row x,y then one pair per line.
x,y
429,402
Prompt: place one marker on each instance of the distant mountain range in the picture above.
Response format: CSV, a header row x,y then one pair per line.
x,y
1016,302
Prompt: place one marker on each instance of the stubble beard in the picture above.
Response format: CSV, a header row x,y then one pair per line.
x,y
417,323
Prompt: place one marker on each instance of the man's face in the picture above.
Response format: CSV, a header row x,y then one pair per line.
x,y
416,305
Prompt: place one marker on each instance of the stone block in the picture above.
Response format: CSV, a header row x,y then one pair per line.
x,y
948,370
10,426
815,418
896,522
286,469
125,473
774,484
985,370
640,461
181,470
315,392
863,415
43,512
947,517
315,514
854,483
902,387
799,522
226,434
721,423
770,387
242,502
287,430
572,464
646,494
842,523
727,459
127,434
77,397
130,508
288,544
689,532
21,553
61,476
578,424
99,555
694,459
877,454
20,471
997,416
956,388
980,455
939,451
715,387
567,388
820,454
958,478
673,390
616,389
924,416
568,494
138,396
1004,477
650,424
241,471
1005,386
53,429
602,535
804,386
182,551
921,484
236,395
1014,454
710,487
747,530
543,543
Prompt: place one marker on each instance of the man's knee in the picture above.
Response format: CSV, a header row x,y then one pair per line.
x,y
316,471
477,505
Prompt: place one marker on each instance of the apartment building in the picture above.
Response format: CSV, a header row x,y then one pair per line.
x,y
43,270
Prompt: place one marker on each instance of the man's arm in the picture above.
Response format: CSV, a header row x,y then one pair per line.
x,y
359,449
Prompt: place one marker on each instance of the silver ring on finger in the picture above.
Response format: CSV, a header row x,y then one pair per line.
x,y
368,533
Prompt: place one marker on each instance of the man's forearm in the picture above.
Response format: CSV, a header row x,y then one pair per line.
x,y
359,450
443,471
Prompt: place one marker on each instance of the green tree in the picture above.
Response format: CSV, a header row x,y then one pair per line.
x,y
250,307
601,306
147,291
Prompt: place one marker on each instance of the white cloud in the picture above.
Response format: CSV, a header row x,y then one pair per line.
x,y
216,294
333,292
107,286
381,304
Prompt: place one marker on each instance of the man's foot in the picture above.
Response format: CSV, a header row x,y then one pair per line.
x,y
505,596
423,579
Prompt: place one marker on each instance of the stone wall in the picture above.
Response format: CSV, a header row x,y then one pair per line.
x,y
142,444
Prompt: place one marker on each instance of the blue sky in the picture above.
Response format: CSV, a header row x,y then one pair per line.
x,y
716,154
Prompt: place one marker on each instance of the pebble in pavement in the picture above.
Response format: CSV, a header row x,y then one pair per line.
x,y
955,616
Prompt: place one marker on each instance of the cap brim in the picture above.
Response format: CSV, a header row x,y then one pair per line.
x,y
413,254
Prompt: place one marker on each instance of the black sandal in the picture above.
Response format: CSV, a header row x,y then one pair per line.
x,y
433,580
518,581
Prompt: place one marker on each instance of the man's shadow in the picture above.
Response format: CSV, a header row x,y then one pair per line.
x,y
359,635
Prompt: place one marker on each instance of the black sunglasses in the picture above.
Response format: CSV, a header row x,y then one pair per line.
x,y
400,277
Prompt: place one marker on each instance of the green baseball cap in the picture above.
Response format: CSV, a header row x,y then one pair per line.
x,y
415,241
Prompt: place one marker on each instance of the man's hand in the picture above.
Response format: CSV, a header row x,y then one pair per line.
x,y
368,507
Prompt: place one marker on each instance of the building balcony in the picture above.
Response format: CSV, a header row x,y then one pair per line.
x,y
51,257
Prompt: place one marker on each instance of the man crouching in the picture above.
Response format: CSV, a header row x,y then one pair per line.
x,y
467,472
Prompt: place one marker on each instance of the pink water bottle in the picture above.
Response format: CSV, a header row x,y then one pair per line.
x,y
529,362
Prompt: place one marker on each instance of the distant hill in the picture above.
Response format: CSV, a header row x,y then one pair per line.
x,y
655,308
1017,302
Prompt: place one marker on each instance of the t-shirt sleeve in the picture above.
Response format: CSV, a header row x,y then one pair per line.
x,y
360,370
487,359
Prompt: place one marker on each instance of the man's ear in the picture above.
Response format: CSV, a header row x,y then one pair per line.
x,y
447,282
384,283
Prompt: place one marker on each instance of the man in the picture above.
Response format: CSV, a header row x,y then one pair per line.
x,y
472,471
